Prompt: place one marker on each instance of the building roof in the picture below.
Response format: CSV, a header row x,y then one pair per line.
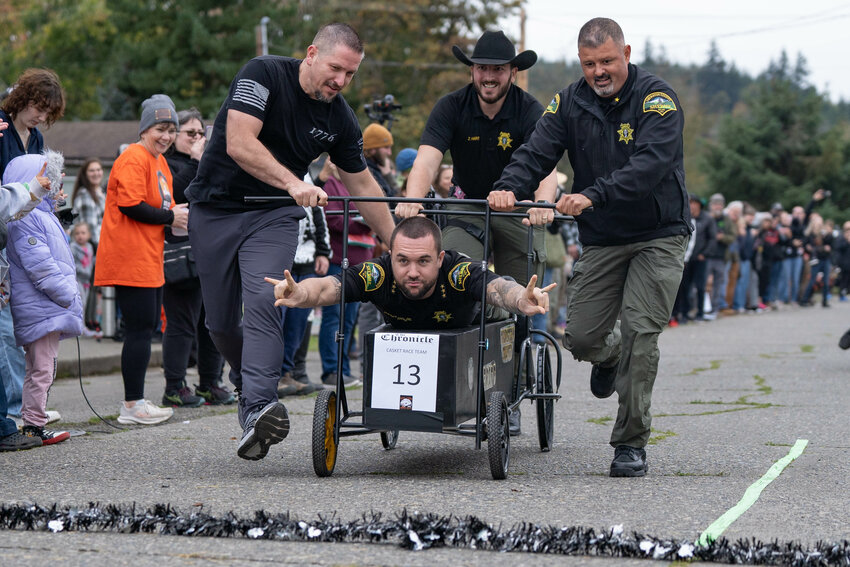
x,y
79,141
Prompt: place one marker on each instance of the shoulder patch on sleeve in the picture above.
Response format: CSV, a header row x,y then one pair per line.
x,y
554,105
658,102
372,275
459,275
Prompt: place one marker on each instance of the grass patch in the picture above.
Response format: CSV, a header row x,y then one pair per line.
x,y
807,348
659,436
746,407
713,365
96,420
762,388
600,420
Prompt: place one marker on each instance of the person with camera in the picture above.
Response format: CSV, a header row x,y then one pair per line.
x,y
378,151
279,115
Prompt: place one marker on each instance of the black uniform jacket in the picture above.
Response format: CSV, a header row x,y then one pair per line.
x,y
626,154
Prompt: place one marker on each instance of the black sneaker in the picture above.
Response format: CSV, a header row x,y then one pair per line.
x,y
215,395
17,441
262,430
844,341
602,380
628,461
182,398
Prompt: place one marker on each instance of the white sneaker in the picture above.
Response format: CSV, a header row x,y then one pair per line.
x,y
143,413
52,416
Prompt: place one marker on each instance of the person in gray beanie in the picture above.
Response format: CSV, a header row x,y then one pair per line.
x,y
158,108
139,205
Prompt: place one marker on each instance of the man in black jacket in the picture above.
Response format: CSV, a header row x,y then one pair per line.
x,y
622,129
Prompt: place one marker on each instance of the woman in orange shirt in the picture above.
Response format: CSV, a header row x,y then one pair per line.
x,y
129,257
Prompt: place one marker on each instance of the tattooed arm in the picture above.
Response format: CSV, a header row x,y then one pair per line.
x,y
509,295
312,292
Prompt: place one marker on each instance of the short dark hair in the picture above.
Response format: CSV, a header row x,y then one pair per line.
x,y
186,115
331,35
418,227
40,87
597,31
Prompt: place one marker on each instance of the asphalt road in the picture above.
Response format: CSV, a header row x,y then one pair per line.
x,y
731,398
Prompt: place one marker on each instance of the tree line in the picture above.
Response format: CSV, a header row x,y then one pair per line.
x,y
763,139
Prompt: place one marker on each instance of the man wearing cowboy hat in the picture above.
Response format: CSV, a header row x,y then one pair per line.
x,y
482,125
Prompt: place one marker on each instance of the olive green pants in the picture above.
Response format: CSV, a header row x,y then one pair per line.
x,y
620,299
508,242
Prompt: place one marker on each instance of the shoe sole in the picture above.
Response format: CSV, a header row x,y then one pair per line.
x,y
143,420
628,472
599,392
57,439
10,448
271,427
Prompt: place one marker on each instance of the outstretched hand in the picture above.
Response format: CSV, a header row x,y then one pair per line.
x,y
536,300
287,293
42,180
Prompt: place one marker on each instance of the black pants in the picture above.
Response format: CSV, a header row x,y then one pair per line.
x,y
140,309
184,313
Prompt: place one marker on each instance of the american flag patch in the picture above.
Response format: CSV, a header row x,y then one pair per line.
x,y
251,92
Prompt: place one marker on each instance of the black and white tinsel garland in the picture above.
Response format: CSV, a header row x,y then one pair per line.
x,y
416,531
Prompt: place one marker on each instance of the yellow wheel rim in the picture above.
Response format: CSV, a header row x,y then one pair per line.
x,y
330,446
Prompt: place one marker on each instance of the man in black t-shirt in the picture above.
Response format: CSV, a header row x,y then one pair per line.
x,y
279,115
482,125
417,284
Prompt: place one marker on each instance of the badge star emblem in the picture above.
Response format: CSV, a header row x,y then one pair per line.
x,y
442,316
504,140
626,133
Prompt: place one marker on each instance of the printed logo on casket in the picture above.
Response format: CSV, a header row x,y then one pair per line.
x,y
372,275
458,276
405,402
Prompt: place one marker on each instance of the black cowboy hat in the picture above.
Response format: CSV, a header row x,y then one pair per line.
x,y
494,48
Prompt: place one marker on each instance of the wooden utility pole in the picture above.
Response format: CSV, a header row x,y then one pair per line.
x,y
522,77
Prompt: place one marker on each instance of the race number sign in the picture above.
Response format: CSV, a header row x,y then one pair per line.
x,y
404,371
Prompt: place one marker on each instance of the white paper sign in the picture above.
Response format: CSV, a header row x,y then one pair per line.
x,y
404,371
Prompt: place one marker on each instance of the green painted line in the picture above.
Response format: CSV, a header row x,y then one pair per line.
x,y
750,496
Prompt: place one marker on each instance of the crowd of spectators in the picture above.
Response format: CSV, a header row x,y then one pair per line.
x,y
738,260
743,261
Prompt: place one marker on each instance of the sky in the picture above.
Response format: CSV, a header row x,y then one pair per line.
x,y
748,33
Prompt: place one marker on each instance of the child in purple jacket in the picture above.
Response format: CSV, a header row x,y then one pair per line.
x,y
45,302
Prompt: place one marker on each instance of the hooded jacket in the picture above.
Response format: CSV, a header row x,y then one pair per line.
x,y
626,154
45,297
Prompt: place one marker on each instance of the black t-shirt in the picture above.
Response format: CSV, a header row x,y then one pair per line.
x,y
480,147
454,303
296,130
